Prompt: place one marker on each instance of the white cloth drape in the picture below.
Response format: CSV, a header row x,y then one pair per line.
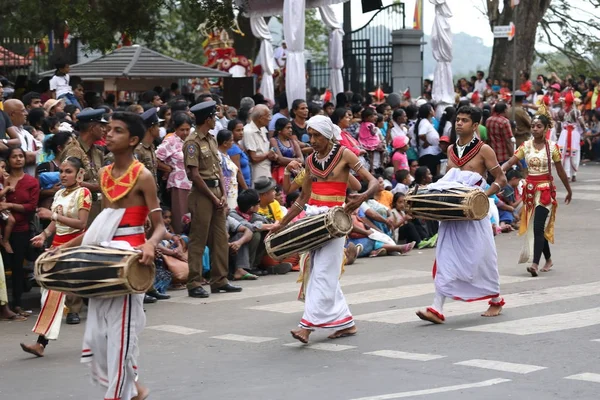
x,y
261,31
441,45
293,30
336,56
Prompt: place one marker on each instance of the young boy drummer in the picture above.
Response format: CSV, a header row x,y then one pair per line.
x,y
113,324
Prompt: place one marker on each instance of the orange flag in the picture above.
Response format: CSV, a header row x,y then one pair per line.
x,y
418,14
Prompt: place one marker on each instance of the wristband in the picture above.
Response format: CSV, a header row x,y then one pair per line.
x,y
45,232
497,184
287,172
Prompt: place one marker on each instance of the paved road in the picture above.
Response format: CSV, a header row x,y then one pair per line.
x,y
237,346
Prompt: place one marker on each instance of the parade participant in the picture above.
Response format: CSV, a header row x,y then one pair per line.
x,y
207,202
569,142
145,152
539,194
69,214
329,168
459,272
113,324
92,126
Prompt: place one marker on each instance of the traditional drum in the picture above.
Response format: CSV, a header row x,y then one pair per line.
x,y
308,233
91,271
448,205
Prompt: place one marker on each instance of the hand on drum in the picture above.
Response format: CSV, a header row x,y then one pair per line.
x,y
275,228
148,253
355,201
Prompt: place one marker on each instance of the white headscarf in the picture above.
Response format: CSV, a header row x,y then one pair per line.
x,y
323,125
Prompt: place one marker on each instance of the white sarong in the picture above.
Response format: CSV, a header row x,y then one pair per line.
x,y
325,305
110,341
570,160
466,259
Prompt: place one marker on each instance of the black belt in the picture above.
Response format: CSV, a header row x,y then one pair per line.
x,y
212,183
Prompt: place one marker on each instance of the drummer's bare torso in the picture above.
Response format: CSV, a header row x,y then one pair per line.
x,y
340,172
482,162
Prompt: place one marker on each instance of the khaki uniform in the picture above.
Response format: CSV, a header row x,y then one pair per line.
x,y
201,150
92,159
146,154
523,126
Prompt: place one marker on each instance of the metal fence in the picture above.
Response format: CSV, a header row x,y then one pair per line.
x,y
367,54
28,56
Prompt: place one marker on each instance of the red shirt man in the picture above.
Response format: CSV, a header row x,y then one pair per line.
x,y
500,133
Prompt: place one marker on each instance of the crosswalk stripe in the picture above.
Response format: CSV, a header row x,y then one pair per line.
x,y
513,300
543,324
501,366
287,287
586,376
373,295
242,338
443,389
321,346
404,355
182,330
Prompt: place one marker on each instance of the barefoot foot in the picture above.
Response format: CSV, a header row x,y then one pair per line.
x,y
343,333
493,311
36,349
430,316
143,392
301,334
548,266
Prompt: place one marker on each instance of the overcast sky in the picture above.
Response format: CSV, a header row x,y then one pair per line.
x,y
466,17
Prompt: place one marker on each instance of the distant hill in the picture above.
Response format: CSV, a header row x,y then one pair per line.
x,y
469,54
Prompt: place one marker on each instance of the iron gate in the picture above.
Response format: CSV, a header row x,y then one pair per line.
x,y
367,54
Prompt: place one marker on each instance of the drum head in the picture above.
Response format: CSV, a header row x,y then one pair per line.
x,y
342,221
479,205
140,277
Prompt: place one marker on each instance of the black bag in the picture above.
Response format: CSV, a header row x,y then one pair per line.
x,y
35,228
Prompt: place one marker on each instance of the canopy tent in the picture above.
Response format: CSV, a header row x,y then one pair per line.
x,y
294,27
441,46
8,59
139,62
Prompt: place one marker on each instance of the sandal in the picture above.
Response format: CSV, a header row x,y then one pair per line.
x,y
24,313
246,277
14,318
378,252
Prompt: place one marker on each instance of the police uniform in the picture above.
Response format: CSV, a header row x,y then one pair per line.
x,y
201,150
146,153
92,158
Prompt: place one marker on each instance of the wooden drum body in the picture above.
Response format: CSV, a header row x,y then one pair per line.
x,y
309,233
91,271
448,205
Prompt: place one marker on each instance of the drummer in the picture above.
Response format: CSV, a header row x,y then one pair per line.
x,y
69,215
467,270
328,167
113,324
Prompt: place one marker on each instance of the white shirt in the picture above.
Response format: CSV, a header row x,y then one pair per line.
x,y
28,143
280,56
218,126
480,86
398,130
256,140
61,85
432,136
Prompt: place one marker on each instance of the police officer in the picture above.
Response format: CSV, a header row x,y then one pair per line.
x,y
207,203
92,127
145,152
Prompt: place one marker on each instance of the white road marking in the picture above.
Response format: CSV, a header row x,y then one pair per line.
x,y
290,287
586,376
374,295
404,355
543,324
242,338
321,346
442,389
182,330
595,340
501,366
513,300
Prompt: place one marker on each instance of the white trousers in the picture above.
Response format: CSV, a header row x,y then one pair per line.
x,y
110,343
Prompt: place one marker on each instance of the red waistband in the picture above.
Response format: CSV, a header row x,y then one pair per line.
x,y
134,216
328,194
62,239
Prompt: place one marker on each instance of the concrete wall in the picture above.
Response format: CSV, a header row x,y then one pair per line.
x,y
407,61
